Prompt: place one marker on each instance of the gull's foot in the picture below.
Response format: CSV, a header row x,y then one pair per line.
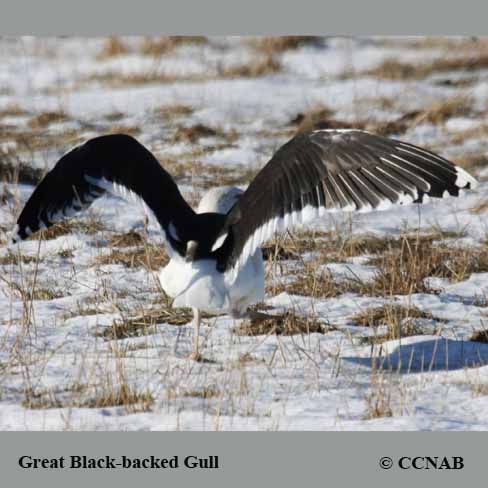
x,y
195,356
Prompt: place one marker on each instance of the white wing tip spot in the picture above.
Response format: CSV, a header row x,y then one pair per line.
x,y
463,178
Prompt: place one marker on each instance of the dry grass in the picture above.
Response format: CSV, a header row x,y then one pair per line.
x,y
403,270
317,284
112,47
150,257
126,239
392,69
205,393
399,320
12,110
16,171
378,401
391,315
43,119
145,324
278,44
16,258
261,66
195,132
157,46
474,161
287,324
66,227
310,118
477,132
439,112
403,264
172,111
481,207
110,395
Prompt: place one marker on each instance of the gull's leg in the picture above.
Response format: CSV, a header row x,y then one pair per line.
x,y
197,319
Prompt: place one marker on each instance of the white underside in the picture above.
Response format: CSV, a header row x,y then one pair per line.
x,y
200,285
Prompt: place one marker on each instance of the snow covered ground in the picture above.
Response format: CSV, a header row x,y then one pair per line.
x,y
214,111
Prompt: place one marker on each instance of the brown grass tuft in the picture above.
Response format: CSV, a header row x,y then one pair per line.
x,y
126,239
12,110
44,119
112,47
174,110
157,46
378,401
15,258
16,171
402,271
194,133
279,44
392,69
151,257
287,324
259,67
398,319
66,227
110,395
310,118
205,393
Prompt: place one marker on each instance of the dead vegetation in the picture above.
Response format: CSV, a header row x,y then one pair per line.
x,y
473,161
157,46
195,132
112,47
481,207
261,66
65,227
278,44
392,69
83,396
173,111
255,68
403,270
378,401
43,119
399,320
310,118
126,239
145,324
13,110
12,170
16,258
403,264
287,324
320,117
150,256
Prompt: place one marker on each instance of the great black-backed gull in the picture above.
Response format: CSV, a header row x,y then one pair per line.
x,y
216,261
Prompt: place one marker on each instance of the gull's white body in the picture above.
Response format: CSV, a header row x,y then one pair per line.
x,y
199,285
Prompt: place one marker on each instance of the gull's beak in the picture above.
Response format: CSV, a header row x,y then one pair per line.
x,y
191,249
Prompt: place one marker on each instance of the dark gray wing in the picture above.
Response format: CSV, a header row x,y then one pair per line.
x,y
325,170
86,172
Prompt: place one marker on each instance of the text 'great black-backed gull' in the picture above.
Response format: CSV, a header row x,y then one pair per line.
x,y
216,262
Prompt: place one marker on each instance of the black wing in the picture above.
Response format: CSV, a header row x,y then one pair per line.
x,y
324,170
86,172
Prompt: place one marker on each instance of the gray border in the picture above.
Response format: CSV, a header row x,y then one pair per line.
x,y
238,17
250,459
278,459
